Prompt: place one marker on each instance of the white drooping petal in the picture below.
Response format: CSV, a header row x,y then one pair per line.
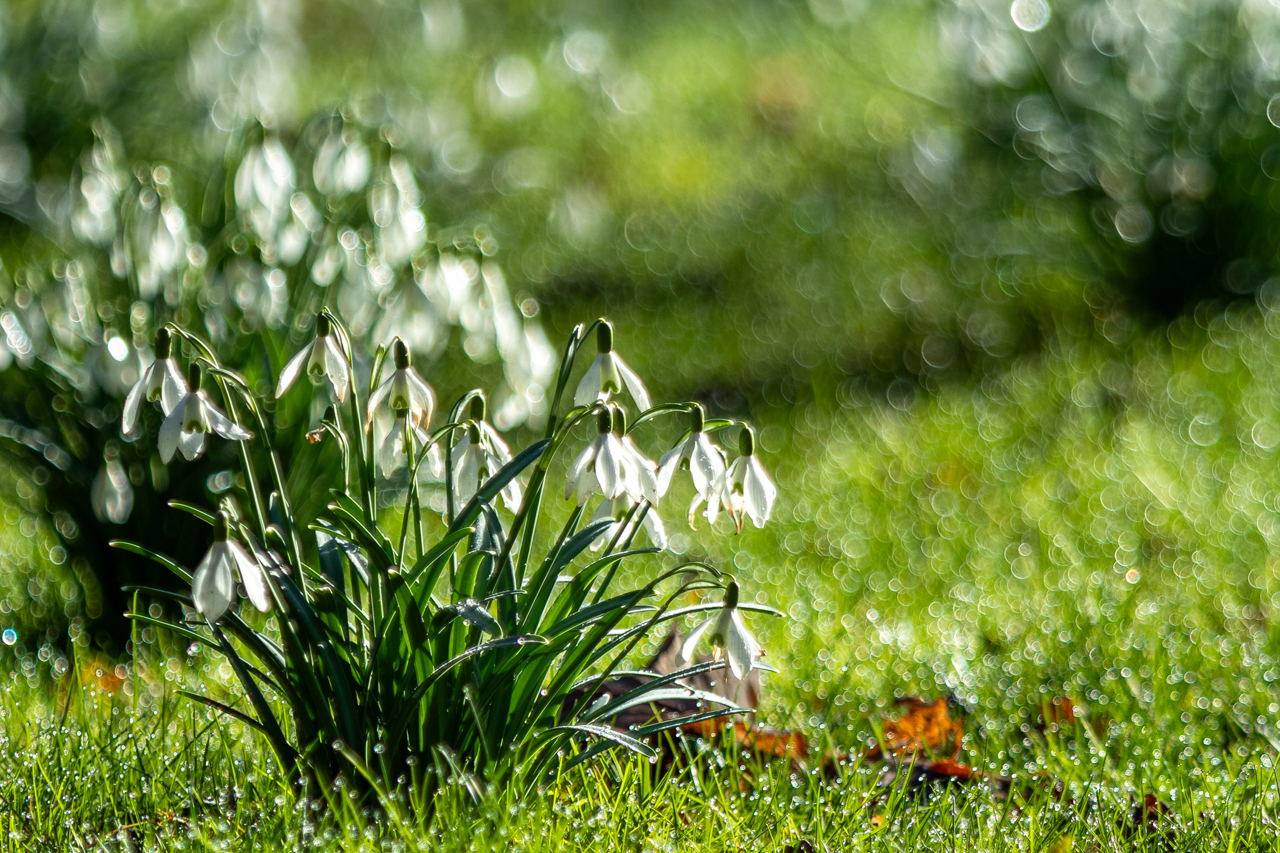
x,y
173,387
191,444
580,464
220,423
422,400
759,493
170,432
389,454
705,463
133,402
252,576
211,586
610,472
293,369
589,388
335,363
668,465
605,510
646,472
740,647
695,636
376,401
654,527
638,392
466,471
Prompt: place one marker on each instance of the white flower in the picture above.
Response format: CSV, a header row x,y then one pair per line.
x,y
704,462
644,485
729,637
608,373
192,419
605,466
323,358
213,585
161,382
617,509
111,493
745,488
403,391
392,450
479,456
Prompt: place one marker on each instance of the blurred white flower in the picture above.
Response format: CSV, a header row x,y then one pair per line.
x,y
644,485
323,358
604,466
608,373
729,637
111,492
213,584
161,382
745,488
187,426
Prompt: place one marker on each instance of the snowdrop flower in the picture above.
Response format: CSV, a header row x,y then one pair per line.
x,y
192,419
323,358
392,451
213,585
729,637
608,373
644,486
403,391
604,466
617,509
745,488
111,493
161,382
704,463
480,455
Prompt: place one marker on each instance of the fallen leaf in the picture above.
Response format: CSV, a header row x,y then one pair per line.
x,y
926,728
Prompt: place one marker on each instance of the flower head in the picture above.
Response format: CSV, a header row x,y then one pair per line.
x,y
213,584
729,637
608,373
478,456
323,359
644,485
161,382
702,460
392,450
604,466
192,419
403,392
745,487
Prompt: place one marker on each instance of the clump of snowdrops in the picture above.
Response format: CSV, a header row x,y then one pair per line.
x,y
474,654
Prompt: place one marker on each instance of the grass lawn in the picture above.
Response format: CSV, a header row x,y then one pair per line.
x,y
1099,524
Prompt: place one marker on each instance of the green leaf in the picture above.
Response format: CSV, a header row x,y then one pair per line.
x,y
610,734
191,509
477,613
167,562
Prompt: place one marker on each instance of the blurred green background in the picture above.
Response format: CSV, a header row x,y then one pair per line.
x,y
983,273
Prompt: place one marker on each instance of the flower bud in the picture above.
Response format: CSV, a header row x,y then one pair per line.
x,y
400,353
323,326
746,441
604,421
604,336
220,528
193,376
731,595
619,420
478,408
163,343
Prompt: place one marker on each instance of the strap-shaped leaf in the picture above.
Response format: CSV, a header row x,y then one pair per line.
x,y
191,509
658,694
588,615
611,734
265,717
167,562
477,613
